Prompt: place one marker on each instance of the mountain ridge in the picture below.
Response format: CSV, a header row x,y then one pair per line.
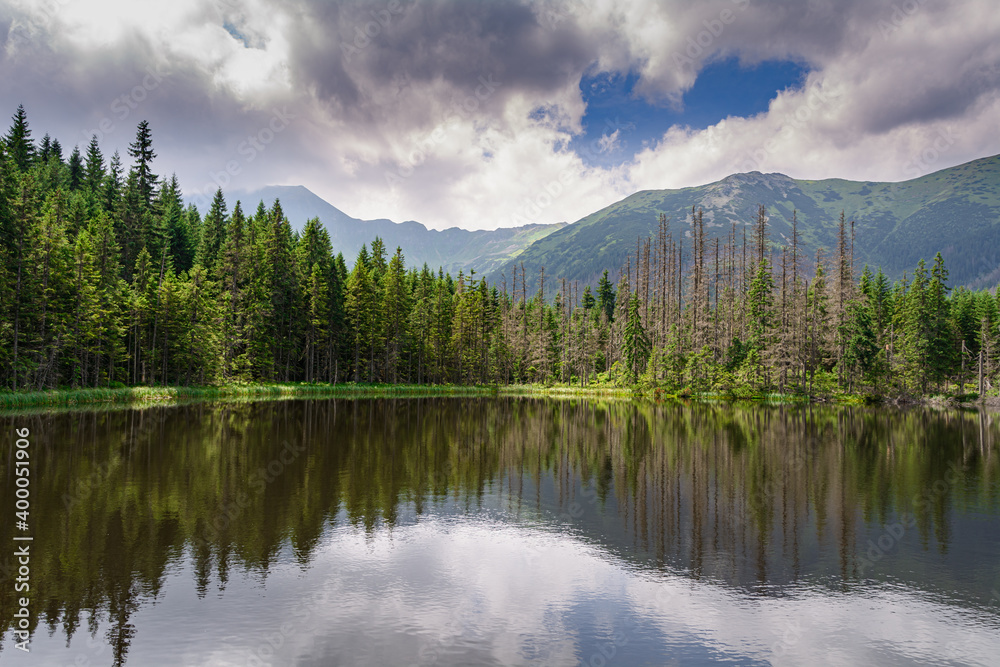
x,y
955,211
451,249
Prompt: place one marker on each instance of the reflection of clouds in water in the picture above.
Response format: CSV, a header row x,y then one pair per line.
x,y
871,625
464,592
543,547
449,592
476,591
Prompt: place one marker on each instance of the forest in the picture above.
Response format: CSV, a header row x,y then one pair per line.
x,y
108,280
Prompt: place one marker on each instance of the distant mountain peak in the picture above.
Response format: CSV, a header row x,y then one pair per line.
x,y
452,249
755,177
954,210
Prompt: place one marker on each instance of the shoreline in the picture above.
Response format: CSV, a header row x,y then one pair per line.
x,y
146,396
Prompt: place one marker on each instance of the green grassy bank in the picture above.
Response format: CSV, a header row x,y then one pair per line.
x,y
151,395
123,396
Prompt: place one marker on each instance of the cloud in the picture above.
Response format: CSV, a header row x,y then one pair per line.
x,y
459,113
873,113
609,142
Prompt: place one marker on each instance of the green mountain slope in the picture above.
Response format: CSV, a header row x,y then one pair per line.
x,y
955,211
451,249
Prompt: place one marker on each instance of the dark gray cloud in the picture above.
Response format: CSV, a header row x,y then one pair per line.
x,y
380,105
342,53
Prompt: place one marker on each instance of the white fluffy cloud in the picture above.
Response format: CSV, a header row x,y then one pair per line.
x,y
455,113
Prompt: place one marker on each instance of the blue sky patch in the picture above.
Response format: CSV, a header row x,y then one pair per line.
x,y
235,32
722,89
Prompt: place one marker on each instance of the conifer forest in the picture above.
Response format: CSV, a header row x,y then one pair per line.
x,y
107,279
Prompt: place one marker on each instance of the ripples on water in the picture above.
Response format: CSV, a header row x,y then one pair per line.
x,y
507,531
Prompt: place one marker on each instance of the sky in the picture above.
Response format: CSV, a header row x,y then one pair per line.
x,y
495,114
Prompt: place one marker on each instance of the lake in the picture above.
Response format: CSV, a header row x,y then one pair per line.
x,y
497,531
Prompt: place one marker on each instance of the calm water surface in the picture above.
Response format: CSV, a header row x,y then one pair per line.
x,y
507,531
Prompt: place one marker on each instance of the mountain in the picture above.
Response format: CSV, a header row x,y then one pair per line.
x,y
955,211
452,249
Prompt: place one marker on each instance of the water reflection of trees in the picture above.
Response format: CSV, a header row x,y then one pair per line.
x,y
734,493
743,495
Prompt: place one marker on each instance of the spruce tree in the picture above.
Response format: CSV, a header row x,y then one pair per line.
x,y
110,294
395,313
172,226
361,309
861,346
588,302
87,316
635,342
318,305
280,281
318,275
760,314
76,170
44,151
917,323
231,269
111,197
377,262
141,151
943,351
18,145
606,296
93,168
213,234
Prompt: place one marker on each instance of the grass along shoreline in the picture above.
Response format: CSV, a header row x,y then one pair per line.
x,y
58,398
155,395
159,395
